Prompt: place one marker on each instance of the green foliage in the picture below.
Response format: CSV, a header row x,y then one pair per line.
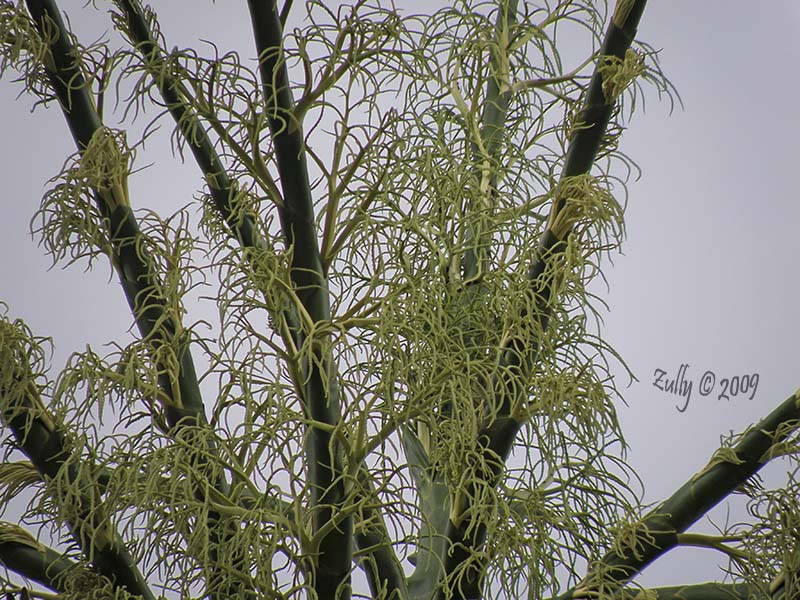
x,y
380,351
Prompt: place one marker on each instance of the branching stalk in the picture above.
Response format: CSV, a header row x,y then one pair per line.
x,y
467,531
242,225
658,532
135,267
711,541
36,562
39,436
320,393
487,149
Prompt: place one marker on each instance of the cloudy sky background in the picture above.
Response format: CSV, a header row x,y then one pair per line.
x,y
708,277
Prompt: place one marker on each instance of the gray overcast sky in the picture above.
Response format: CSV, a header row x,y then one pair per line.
x,y
708,277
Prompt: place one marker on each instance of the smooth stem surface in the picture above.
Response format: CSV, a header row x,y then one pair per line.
x,y
658,531
43,565
467,532
135,267
331,567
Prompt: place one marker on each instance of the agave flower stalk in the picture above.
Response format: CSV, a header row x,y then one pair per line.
x,y
465,532
372,538
41,438
658,532
182,400
35,561
320,393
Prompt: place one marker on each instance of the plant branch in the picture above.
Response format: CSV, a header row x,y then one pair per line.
x,y
320,391
33,560
242,225
287,6
133,264
135,267
40,437
487,149
714,542
376,558
434,503
467,531
658,532
546,82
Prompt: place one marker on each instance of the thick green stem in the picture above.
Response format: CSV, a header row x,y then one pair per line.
x,y
434,505
37,563
183,405
658,531
320,391
466,530
134,267
76,494
487,153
